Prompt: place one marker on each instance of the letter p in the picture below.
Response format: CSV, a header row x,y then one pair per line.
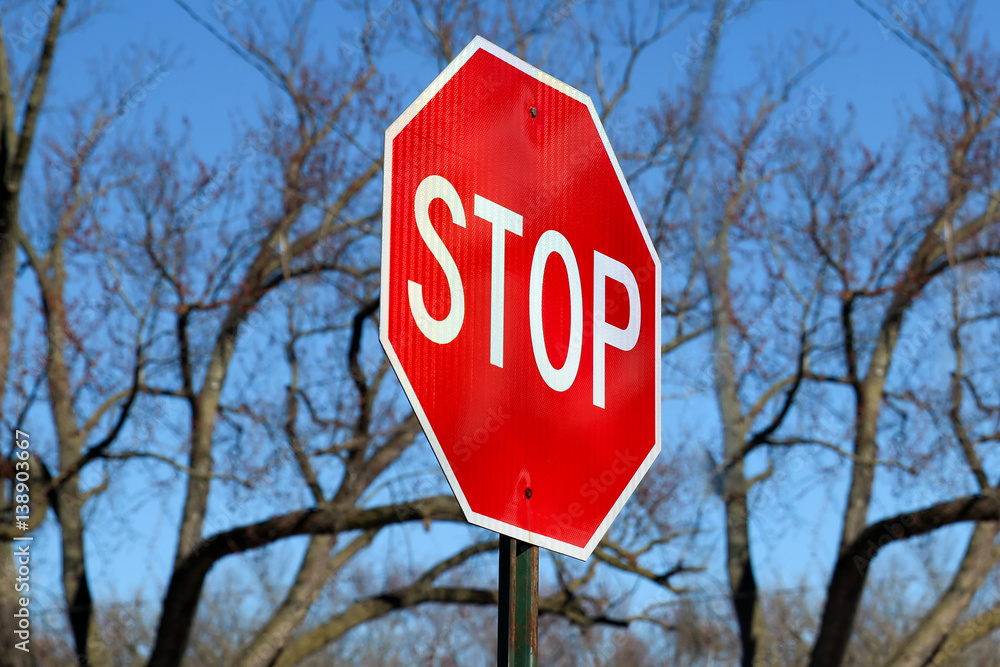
x,y
608,334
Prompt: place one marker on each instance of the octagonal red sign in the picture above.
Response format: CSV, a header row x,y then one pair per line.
x,y
521,300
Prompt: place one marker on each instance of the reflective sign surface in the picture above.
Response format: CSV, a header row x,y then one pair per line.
x,y
520,300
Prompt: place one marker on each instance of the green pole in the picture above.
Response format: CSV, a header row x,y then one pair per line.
x,y
517,613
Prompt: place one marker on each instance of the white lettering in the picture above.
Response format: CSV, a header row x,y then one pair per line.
x,y
608,334
559,379
445,330
503,220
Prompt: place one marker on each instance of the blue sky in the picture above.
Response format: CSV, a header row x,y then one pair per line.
x,y
220,93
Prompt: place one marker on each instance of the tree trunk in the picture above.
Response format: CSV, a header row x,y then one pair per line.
x,y
83,622
8,266
312,575
9,656
919,647
76,587
742,583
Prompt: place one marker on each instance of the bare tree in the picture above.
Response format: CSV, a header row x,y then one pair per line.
x,y
851,248
207,325
215,283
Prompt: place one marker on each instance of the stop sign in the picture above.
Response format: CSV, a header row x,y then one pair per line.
x,y
521,300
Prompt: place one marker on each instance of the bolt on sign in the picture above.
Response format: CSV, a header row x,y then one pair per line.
x,y
521,300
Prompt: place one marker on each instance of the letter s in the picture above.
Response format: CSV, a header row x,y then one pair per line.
x,y
445,330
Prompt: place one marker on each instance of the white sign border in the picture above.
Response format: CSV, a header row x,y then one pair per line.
x,y
581,553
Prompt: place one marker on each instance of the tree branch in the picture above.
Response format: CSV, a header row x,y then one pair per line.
x,y
184,590
848,580
37,96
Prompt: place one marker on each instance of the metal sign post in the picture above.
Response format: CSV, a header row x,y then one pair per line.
x,y
500,187
517,611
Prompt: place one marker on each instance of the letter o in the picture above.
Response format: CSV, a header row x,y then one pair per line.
x,y
559,379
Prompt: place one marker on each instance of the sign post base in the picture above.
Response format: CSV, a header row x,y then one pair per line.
x,y
517,611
